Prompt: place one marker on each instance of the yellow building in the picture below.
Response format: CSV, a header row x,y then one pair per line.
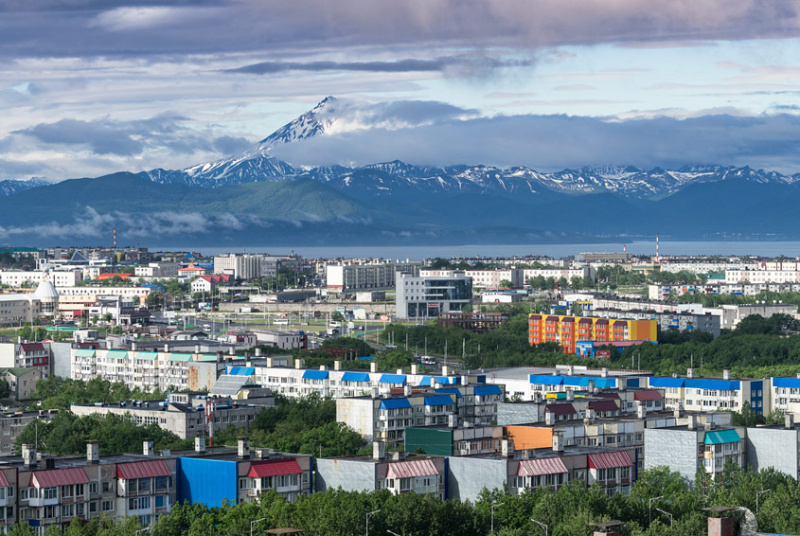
x,y
568,330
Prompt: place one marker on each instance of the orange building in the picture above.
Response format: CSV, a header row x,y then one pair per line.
x,y
568,330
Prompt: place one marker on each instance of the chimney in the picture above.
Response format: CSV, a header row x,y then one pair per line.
x,y
148,447
677,413
789,420
604,372
269,362
134,346
376,392
258,351
641,411
92,452
591,386
558,442
243,451
199,444
452,421
414,368
298,363
570,395
337,365
507,448
464,380
231,351
588,416
373,367
399,371
323,367
726,374
690,373
378,450
549,418
692,424
197,348
29,455
570,370
445,370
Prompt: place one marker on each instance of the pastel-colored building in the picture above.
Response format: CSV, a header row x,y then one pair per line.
x,y
568,330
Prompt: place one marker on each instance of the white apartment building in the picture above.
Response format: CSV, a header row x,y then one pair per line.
x,y
60,278
482,278
567,273
733,277
429,297
709,394
367,276
238,266
158,270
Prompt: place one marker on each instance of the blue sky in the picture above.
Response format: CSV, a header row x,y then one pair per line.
x,y
90,87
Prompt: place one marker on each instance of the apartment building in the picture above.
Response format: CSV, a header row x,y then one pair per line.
x,y
157,270
688,449
367,276
238,266
557,273
60,278
708,394
568,330
26,355
399,474
482,278
705,322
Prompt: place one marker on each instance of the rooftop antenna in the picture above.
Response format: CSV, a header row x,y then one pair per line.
x,y
115,238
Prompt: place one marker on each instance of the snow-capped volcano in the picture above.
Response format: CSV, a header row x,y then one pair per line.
x,y
319,120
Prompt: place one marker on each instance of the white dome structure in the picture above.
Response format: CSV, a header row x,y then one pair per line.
x,y
47,295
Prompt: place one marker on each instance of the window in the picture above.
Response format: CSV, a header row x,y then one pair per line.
x,y
80,509
50,493
106,486
242,483
108,506
144,484
161,482
162,501
92,507
93,487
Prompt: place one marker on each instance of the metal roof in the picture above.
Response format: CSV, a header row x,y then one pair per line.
x,y
647,395
151,356
609,460
786,382
666,382
180,357
543,466
58,477
82,352
278,466
485,390
444,380
449,391
393,378
560,409
541,379
241,371
355,377
722,436
3,480
228,385
315,375
603,405
117,354
144,469
411,468
441,400
395,403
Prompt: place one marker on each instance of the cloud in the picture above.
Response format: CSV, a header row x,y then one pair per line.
x,y
552,142
146,28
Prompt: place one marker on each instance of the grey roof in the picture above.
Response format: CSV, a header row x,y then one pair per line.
x,y
229,385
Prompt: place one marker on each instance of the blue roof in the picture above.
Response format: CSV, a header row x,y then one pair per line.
x,y
449,391
242,371
444,380
721,385
355,377
655,381
395,403
484,390
541,379
722,436
365,358
393,378
315,375
442,400
786,382
583,381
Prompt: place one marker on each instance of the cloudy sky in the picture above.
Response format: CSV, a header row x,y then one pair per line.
x,y
91,86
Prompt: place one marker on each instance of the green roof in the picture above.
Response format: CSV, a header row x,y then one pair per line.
x,y
151,356
716,277
83,352
180,357
17,371
117,354
722,436
208,357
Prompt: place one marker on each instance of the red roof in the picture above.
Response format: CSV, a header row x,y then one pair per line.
x,y
603,405
544,466
3,480
612,395
146,469
560,409
58,477
412,468
647,395
32,347
609,460
278,466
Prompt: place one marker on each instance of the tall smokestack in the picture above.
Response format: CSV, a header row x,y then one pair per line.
x,y
658,257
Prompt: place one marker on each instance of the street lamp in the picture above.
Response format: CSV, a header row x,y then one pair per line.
x,y
650,508
254,523
494,505
758,494
667,513
392,533
541,525
369,514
